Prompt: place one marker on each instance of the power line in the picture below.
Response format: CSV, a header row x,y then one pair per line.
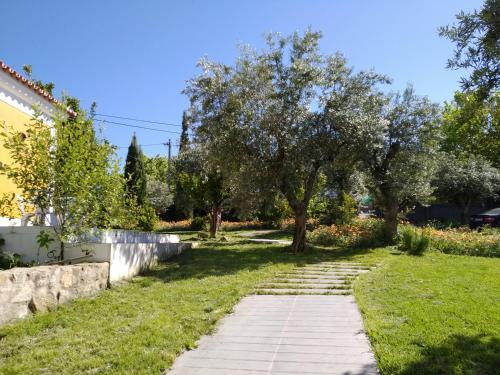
x,y
138,120
137,126
151,144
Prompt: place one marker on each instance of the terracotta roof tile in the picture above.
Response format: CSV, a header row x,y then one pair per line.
x,y
26,82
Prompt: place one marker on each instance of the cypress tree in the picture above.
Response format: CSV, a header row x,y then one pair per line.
x,y
135,173
184,141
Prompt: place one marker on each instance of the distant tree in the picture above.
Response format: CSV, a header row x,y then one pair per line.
x,y
287,111
156,167
465,180
472,126
134,172
66,170
477,48
200,185
159,194
401,164
184,139
48,87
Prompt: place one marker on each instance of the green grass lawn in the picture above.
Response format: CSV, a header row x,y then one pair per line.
x,y
141,326
436,314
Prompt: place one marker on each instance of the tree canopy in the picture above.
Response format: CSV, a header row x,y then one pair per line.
x,y
283,113
401,162
476,36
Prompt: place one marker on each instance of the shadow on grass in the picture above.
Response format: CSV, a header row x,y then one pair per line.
x,y
274,235
459,354
226,258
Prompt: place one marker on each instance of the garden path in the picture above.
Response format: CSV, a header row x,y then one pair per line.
x,y
311,326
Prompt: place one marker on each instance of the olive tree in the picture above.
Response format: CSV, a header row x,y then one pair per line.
x,y
477,49
401,164
284,113
464,180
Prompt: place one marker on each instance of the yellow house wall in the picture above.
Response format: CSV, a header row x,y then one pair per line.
x,y
10,117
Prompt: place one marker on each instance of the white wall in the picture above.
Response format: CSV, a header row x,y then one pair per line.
x,y
128,252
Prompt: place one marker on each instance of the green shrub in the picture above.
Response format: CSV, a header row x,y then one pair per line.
x,y
198,223
9,260
147,218
414,241
324,236
342,210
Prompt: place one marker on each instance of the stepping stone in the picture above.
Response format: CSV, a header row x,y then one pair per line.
x,y
306,281
301,291
304,286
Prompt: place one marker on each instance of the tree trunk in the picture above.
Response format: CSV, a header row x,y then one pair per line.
x,y
215,217
61,254
391,223
464,212
299,235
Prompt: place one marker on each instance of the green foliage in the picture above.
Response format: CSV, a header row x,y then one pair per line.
x,y
8,260
44,239
401,163
273,210
147,218
184,139
476,37
188,183
135,173
472,126
47,87
159,196
156,168
343,209
284,113
199,223
67,167
414,241
465,180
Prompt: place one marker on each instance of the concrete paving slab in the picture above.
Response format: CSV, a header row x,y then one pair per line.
x,y
284,335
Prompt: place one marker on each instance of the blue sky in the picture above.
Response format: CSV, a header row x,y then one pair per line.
x,y
134,57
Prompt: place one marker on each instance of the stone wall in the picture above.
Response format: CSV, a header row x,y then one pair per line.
x,y
24,291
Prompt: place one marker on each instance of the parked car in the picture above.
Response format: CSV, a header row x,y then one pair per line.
x,y
490,218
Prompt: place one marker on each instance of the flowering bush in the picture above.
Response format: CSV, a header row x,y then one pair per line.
x,y
289,224
464,241
167,226
184,225
242,225
361,233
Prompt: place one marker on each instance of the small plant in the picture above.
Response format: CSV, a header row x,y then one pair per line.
x,y
44,239
199,223
8,259
414,241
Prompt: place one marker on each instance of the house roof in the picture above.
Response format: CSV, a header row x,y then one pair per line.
x,y
32,86
26,82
